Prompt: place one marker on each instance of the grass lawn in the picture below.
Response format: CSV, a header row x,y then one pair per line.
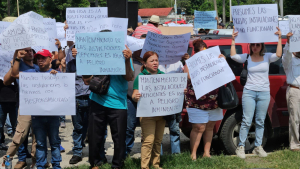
x,y
284,159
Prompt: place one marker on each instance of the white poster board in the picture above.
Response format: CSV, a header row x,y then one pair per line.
x,y
78,17
284,26
208,72
294,21
5,58
170,48
50,26
161,94
26,31
61,34
4,25
44,94
255,23
135,44
113,24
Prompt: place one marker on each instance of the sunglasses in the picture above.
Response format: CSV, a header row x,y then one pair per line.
x,y
256,44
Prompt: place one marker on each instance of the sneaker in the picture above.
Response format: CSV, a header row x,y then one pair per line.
x,y
62,149
240,152
20,165
260,151
62,124
3,147
75,159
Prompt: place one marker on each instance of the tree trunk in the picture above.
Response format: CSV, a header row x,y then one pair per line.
x,y
8,7
224,12
216,9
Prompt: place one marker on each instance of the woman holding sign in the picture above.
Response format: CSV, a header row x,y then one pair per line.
x,y
256,94
203,113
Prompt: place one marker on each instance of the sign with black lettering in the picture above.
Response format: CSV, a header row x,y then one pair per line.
x,y
45,94
161,95
5,65
208,72
170,48
26,31
295,29
100,53
255,23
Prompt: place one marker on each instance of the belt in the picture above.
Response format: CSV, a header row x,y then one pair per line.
x,y
292,86
83,97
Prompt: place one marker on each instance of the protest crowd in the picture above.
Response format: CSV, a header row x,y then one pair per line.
x,y
124,78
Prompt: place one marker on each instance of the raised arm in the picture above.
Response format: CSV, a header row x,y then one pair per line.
x,y
128,64
15,69
233,49
61,54
186,70
279,44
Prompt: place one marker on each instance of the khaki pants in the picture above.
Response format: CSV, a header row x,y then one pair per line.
x,y
152,133
22,129
293,104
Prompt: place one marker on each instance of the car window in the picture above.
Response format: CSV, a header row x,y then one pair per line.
x,y
276,68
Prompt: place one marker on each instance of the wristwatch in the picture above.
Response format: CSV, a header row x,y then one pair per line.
x,y
18,60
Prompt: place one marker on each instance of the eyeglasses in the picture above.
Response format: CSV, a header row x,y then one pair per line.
x,y
256,44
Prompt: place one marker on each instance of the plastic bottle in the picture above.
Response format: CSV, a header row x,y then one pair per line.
x,y
8,162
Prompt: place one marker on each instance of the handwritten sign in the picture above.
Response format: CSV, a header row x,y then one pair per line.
x,y
4,25
61,34
208,72
50,26
100,53
161,95
294,21
26,31
113,24
205,19
284,26
50,95
135,44
78,17
170,48
5,58
255,22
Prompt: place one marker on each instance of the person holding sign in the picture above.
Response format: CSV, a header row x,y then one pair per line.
x,y
152,127
291,65
44,126
203,113
256,94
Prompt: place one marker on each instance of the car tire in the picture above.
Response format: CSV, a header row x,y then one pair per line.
x,y
229,134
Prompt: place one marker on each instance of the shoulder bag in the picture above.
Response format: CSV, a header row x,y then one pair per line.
x,y
227,97
244,74
99,84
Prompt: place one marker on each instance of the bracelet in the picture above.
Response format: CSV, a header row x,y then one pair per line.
x,y
17,59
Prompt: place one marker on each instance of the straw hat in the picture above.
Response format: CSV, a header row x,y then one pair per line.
x,y
154,19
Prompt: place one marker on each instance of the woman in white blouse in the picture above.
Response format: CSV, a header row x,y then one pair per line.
x,y
256,94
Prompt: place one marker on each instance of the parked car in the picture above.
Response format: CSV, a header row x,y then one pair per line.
x,y
277,119
179,21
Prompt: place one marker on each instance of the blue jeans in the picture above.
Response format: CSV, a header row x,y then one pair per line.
x,y
8,125
44,126
254,103
23,150
11,109
132,121
174,135
62,118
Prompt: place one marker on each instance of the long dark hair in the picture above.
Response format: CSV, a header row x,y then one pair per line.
x,y
198,44
261,52
146,57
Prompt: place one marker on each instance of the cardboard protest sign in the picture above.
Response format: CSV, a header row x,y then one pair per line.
x,y
170,48
284,26
5,58
26,31
161,94
78,17
175,30
49,94
100,53
208,72
4,25
205,19
255,23
61,34
50,26
294,21
135,44
113,24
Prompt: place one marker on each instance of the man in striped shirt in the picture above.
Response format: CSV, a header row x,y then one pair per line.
x,y
151,26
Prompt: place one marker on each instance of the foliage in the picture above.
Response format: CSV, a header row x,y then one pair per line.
x,y
291,7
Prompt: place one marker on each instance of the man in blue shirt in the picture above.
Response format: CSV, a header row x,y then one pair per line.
x,y
110,108
44,126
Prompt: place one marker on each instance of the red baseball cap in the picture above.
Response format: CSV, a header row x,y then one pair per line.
x,y
43,52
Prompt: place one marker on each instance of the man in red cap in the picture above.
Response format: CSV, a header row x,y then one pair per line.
x,y
44,126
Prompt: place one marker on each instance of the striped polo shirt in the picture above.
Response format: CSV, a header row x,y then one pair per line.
x,y
139,31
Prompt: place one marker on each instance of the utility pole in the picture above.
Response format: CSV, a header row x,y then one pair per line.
x,y
175,6
230,10
281,8
216,9
18,7
8,7
224,13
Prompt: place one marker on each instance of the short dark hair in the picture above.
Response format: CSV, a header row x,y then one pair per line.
x,y
106,30
198,44
144,36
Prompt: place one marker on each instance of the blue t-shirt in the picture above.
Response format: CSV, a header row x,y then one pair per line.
x,y
116,96
23,66
34,70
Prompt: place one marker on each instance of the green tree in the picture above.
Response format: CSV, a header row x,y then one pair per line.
x,y
291,7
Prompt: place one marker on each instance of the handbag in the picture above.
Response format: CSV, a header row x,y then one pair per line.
x,y
244,73
99,84
227,97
